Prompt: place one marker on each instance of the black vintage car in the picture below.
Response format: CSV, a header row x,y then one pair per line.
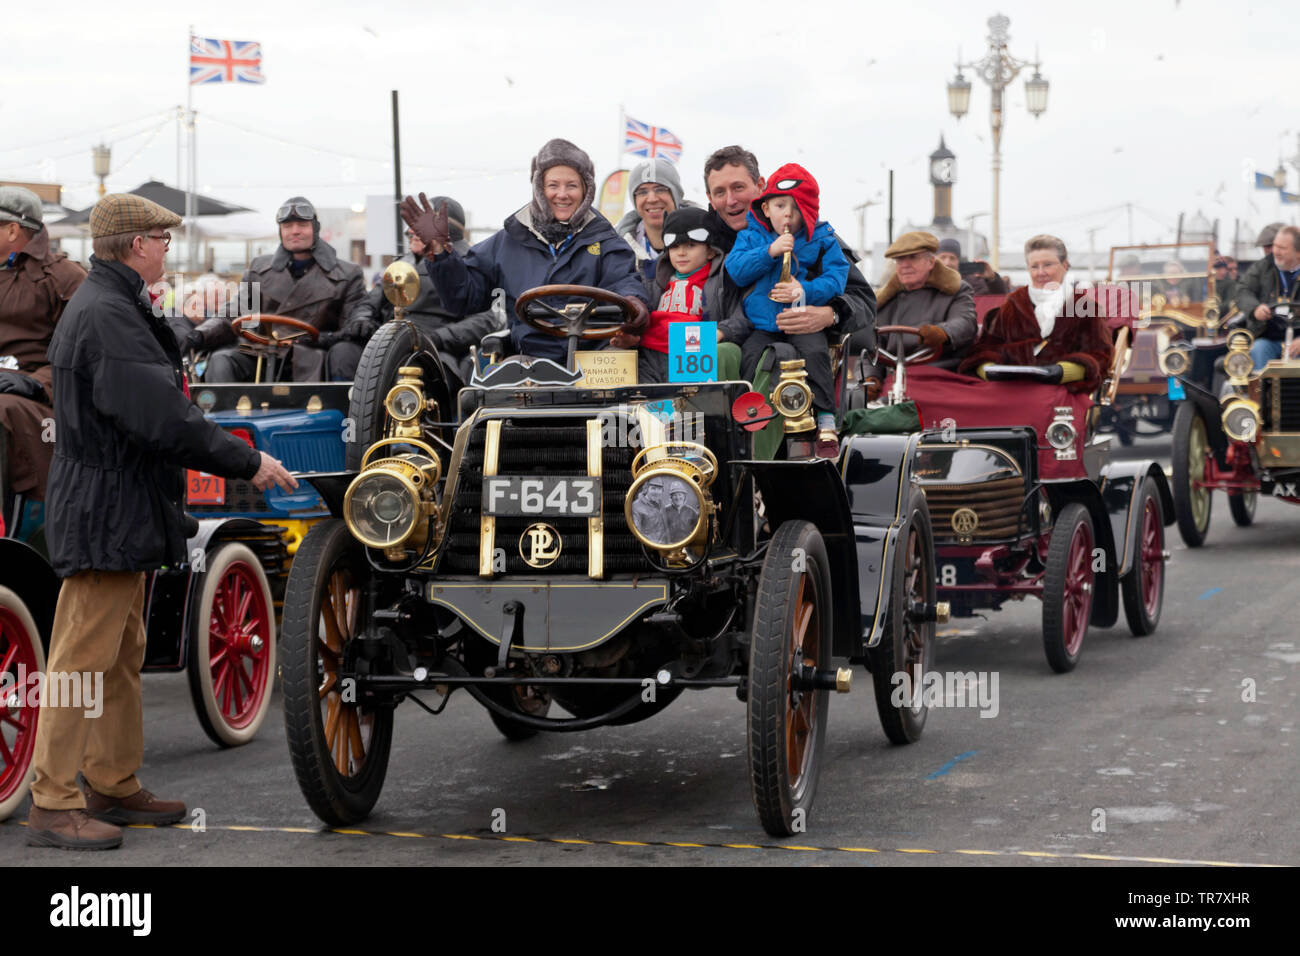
x,y
563,544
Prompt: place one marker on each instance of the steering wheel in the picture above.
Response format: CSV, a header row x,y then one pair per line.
x,y
274,340
920,357
571,321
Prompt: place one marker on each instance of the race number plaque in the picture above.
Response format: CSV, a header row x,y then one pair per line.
x,y
693,352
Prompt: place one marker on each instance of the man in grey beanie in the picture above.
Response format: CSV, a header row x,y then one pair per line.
x,y
987,282
655,190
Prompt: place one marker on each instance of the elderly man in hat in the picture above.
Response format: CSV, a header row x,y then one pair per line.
x,y
451,335
986,282
303,279
928,296
126,432
35,285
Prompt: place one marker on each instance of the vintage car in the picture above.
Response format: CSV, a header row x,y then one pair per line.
x,y
560,541
1025,500
1179,303
1235,430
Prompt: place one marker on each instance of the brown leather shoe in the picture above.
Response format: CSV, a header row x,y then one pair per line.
x,y
70,830
141,807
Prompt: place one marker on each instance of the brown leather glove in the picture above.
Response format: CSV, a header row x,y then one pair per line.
x,y
873,388
428,223
640,318
933,337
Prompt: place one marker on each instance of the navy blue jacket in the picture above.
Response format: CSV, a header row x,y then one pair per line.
x,y
517,259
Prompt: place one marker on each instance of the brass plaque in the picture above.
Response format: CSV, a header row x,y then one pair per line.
x,y
539,545
608,368
965,521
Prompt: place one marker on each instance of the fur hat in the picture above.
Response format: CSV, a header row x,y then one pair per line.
x,y
794,181
560,152
659,171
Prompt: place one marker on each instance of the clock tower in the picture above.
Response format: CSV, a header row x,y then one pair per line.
x,y
943,173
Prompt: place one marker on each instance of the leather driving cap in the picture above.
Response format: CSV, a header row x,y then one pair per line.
x,y
123,212
910,242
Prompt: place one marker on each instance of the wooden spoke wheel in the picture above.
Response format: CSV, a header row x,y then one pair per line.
x,y
1191,451
1144,585
338,741
232,646
21,654
787,720
1068,587
907,646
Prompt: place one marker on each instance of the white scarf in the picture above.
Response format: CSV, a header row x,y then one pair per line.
x,y
1049,303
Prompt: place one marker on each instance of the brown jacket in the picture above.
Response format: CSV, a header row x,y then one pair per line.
x,y
33,295
945,300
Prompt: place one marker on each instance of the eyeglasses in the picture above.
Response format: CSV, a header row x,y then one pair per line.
x,y
295,210
642,191
166,239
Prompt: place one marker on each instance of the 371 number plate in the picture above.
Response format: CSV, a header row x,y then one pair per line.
x,y
548,497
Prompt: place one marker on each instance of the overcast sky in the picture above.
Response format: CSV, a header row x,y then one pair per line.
x,y
1166,105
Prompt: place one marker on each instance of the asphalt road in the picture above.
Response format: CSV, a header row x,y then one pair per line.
x,y
1146,752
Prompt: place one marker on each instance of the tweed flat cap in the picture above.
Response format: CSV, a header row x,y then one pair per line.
x,y
910,242
124,212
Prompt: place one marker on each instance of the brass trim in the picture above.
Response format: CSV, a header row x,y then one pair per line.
x,y
533,558
596,524
701,518
488,523
1238,402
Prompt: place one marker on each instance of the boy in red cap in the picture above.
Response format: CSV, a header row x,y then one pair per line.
x,y
784,219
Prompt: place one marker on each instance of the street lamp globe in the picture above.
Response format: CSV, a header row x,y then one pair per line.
x,y
1036,94
959,95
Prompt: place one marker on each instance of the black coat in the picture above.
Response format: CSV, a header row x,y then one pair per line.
x,y
125,432
450,333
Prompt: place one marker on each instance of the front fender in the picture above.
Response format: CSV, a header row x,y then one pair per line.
x,y
1121,485
1105,604
30,576
812,491
332,485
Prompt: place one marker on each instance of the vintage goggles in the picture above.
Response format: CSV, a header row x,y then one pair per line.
x,y
699,234
295,210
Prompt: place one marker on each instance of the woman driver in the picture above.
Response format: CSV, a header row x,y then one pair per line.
x,y
557,239
1034,327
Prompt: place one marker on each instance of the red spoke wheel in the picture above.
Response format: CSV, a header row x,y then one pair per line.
x,y
21,655
1144,585
787,721
339,745
1068,587
232,645
907,646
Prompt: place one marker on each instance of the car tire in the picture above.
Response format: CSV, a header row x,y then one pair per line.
x,y
20,643
340,771
787,725
907,646
1242,507
1144,585
1068,587
1192,506
393,346
232,646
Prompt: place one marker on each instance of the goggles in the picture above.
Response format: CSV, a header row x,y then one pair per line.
x,y
698,234
295,210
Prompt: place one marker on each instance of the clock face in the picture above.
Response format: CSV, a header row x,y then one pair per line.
x,y
943,170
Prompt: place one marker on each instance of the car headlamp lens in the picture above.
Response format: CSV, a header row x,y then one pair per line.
x,y
381,509
403,403
1175,360
1238,365
1061,435
664,509
792,399
1241,421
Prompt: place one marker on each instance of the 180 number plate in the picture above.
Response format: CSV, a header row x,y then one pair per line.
x,y
548,497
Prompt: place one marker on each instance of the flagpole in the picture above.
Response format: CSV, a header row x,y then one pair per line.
x,y
193,165
622,128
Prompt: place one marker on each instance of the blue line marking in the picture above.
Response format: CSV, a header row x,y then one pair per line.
x,y
1209,594
952,763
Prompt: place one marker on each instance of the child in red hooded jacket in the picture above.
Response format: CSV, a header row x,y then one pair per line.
x,y
784,219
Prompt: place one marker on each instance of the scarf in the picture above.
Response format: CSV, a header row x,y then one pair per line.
x,y
1048,304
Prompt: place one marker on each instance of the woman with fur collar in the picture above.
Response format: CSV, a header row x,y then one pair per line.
x,y
1035,326
557,239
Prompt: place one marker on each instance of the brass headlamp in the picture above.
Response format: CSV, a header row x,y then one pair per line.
x,y
392,505
1238,364
792,397
1241,419
668,506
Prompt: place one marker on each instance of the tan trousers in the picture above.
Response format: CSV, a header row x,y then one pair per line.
x,y
98,629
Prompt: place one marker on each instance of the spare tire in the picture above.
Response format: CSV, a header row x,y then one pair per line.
x,y
396,344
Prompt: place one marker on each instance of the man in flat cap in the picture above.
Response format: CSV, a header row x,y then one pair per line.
x,y
928,296
304,279
126,432
35,285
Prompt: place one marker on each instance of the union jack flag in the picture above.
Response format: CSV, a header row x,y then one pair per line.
x,y
225,61
641,139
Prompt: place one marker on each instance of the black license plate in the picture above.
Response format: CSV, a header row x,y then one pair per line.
x,y
546,497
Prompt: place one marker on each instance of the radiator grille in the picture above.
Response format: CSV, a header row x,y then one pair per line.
x,y
997,504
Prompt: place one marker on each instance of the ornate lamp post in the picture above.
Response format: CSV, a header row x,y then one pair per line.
x,y
998,69
102,154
